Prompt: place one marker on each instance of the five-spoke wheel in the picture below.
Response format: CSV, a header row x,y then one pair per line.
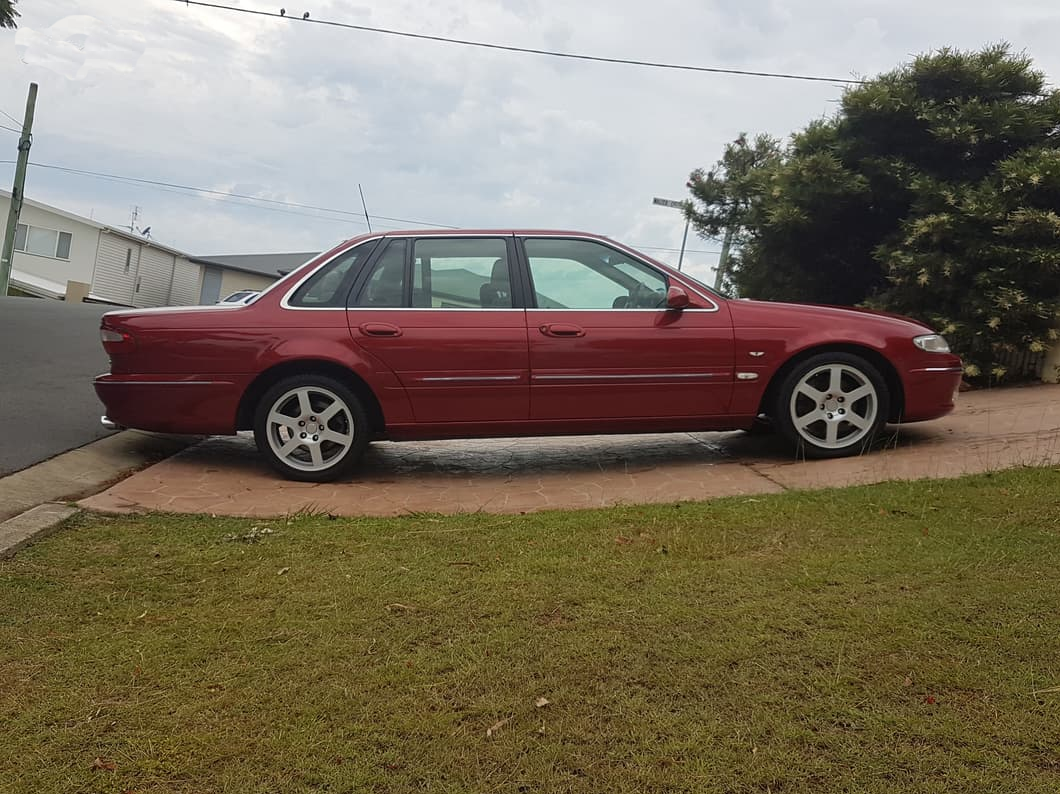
x,y
832,404
311,427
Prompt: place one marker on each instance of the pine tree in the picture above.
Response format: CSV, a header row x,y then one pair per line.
x,y
8,14
933,192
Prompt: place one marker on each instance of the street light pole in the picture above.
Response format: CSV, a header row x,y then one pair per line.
x,y
677,205
684,239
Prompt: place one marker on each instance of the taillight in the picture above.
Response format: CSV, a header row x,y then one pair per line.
x,y
115,340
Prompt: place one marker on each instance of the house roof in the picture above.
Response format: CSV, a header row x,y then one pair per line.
x,y
273,265
43,287
139,238
35,285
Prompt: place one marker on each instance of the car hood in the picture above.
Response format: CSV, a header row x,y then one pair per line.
x,y
783,315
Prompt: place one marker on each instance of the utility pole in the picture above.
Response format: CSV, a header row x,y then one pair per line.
x,y
723,259
17,190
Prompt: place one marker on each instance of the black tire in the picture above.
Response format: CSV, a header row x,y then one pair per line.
x,y
762,426
333,444
844,421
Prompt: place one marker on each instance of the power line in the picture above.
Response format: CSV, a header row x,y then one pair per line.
x,y
675,250
182,190
223,193
234,202
524,50
10,129
4,112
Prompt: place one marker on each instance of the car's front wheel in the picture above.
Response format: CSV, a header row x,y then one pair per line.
x,y
311,428
832,405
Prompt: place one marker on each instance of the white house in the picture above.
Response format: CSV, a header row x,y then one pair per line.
x,y
54,247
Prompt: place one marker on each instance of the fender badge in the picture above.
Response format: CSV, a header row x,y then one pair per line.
x,y
746,376
757,353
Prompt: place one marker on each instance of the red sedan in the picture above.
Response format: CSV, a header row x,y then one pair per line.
x,y
418,335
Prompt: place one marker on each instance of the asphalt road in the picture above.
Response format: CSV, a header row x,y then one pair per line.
x,y
49,353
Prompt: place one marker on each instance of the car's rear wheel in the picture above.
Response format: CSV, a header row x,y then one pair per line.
x,y
832,405
311,428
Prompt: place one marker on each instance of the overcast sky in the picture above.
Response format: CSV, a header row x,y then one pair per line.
x,y
433,132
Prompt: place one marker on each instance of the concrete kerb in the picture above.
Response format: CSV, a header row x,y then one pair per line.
x,y
31,499
25,528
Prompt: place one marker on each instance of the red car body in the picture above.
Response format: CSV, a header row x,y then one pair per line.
x,y
422,373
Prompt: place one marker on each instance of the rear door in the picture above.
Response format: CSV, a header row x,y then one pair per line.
x,y
603,345
441,312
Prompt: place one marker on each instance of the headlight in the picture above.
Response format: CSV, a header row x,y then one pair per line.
x,y
932,343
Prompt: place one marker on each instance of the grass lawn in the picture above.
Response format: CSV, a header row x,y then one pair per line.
x,y
902,637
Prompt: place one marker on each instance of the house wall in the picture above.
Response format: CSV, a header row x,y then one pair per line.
x,y
155,277
234,280
84,238
114,276
187,280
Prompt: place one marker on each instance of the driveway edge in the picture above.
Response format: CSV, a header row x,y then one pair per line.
x,y
36,523
86,470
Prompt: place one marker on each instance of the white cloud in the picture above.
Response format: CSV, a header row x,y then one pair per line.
x,y
299,112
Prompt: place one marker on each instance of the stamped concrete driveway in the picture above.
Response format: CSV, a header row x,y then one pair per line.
x,y
989,430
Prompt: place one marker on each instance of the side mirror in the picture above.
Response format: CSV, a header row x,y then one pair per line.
x,y
676,298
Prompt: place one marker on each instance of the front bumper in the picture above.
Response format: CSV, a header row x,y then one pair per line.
x,y
931,391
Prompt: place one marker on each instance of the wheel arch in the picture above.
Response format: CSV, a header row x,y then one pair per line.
x,y
253,393
895,388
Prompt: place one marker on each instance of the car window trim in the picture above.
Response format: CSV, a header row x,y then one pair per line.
x,y
518,299
531,305
625,249
521,286
410,240
366,272
285,301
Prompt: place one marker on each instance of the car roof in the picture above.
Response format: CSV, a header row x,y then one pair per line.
x,y
466,232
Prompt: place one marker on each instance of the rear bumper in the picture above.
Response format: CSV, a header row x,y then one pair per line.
x,y
190,404
931,391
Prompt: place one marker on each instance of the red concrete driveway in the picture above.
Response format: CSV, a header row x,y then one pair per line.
x,y
989,430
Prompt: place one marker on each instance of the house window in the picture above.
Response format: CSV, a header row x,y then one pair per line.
x,y
43,242
128,259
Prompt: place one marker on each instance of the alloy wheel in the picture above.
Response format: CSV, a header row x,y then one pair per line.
x,y
310,428
834,406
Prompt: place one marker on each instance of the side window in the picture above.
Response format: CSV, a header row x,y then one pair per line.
x,y
385,287
582,274
461,274
328,287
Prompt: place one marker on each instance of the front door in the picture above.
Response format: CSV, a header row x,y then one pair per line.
x,y
440,313
603,345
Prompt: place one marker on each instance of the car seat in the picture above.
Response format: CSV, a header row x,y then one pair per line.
x,y
497,292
